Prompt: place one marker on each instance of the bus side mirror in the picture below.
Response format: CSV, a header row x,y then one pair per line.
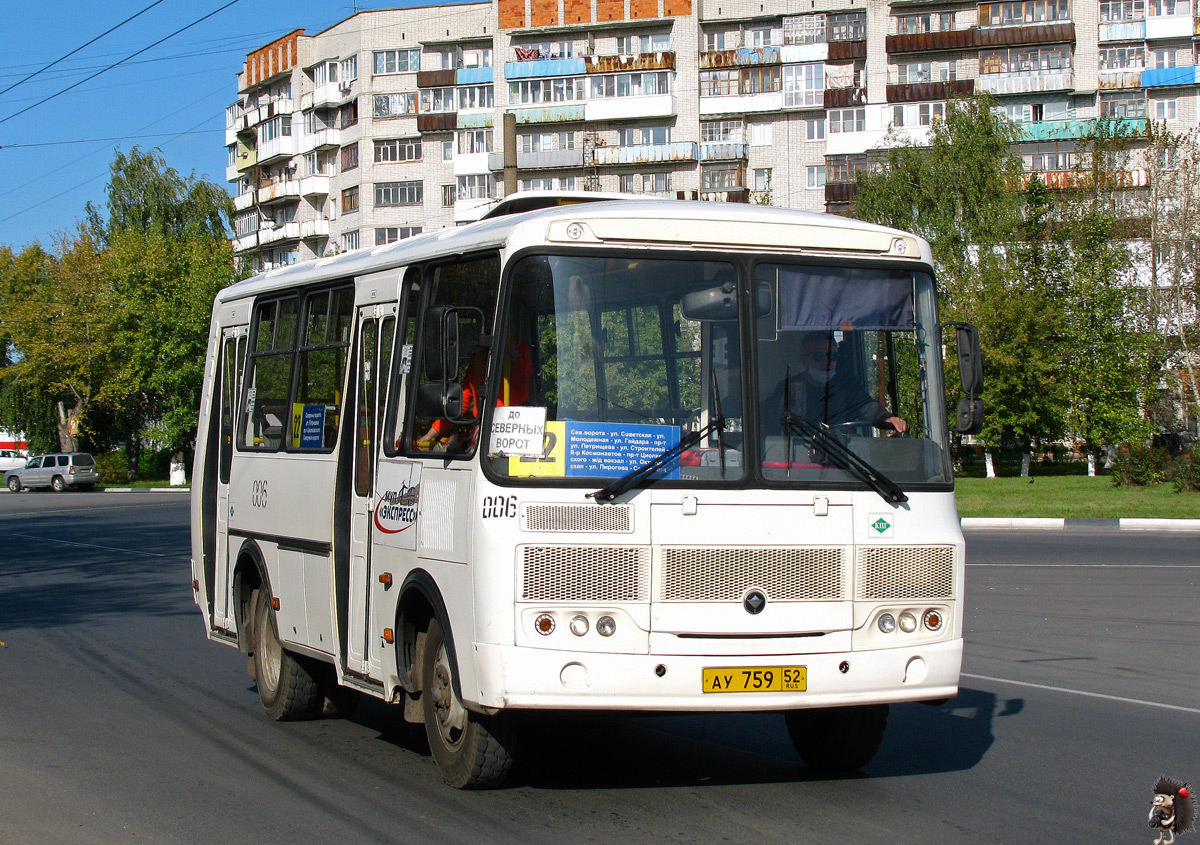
x,y
440,346
440,400
969,419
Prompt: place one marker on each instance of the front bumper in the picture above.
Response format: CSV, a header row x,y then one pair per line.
x,y
531,678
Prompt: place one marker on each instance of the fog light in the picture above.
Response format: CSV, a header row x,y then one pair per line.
x,y
606,626
933,619
908,622
544,624
887,623
579,625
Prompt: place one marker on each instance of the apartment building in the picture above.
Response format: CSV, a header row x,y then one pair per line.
x,y
391,121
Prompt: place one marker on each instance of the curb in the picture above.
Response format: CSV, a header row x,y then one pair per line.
x,y
1046,524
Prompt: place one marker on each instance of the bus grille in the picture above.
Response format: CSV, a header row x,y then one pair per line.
x,y
784,574
897,572
585,573
579,518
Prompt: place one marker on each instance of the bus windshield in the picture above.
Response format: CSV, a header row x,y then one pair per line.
x,y
630,354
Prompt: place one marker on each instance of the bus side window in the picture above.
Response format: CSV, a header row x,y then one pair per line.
x,y
268,374
316,411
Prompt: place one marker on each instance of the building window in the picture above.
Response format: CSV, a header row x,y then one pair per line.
x,y
544,50
714,41
815,175
475,186
350,240
532,91
549,183
761,133
1123,58
1167,58
347,115
474,141
395,105
804,85
391,150
847,120
803,29
1025,59
923,23
1017,13
915,73
761,179
927,112
449,193
544,142
1132,105
760,80
437,100
324,73
638,136
730,131
1165,109
759,36
717,83
349,69
350,200
476,97
398,193
847,26
279,127
840,169
814,130
635,44
629,84
645,183
1115,11
477,57
391,234
396,61
350,157
721,177
1052,160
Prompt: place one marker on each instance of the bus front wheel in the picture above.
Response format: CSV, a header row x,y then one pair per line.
x,y
837,739
287,690
472,751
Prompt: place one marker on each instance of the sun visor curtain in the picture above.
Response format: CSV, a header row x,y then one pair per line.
x,y
850,299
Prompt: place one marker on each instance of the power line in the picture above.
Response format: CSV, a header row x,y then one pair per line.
x,y
77,49
118,62
114,138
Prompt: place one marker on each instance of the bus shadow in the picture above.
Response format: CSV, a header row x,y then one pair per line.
x,y
569,752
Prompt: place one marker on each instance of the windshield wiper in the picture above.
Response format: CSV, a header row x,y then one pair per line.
x,y
842,456
610,491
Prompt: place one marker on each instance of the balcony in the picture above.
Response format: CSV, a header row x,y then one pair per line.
x,y
245,242
1167,76
1020,36
314,229
1169,26
844,98
724,150
741,57
243,201
627,108
333,94
1069,130
926,91
274,233
436,78
474,76
558,113
645,153
741,103
544,160
280,191
437,122
283,146
1123,31
928,42
543,68
629,61
791,54
1108,80
472,164
314,186
726,195
1026,82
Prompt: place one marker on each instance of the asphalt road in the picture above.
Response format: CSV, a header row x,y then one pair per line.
x,y
120,723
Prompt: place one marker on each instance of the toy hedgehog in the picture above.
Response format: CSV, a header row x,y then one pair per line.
x,y
1174,810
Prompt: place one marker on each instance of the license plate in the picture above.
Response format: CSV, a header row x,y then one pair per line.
x,y
756,679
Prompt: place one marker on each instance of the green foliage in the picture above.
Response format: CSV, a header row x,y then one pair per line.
x,y
1187,471
1140,466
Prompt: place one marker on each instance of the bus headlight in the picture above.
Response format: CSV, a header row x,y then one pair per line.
x,y
579,625
606,626
887,623
908,622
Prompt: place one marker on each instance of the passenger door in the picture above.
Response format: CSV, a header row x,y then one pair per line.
x,y
233,353
376,331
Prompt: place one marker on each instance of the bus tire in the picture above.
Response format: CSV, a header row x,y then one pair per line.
x,y
287,690
472,751
837,739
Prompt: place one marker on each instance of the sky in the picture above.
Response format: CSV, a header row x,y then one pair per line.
x,y
56,145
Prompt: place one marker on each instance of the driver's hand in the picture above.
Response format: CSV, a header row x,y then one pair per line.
x,y
898,424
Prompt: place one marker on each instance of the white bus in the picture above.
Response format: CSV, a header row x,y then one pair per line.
x,y
648,456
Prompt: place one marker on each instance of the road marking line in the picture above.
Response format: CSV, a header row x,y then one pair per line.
x,y
1122,699
85,545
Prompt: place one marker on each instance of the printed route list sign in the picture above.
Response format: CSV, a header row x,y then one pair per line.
x,y
617,448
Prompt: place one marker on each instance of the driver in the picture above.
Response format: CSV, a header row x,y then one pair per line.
x,y
819,394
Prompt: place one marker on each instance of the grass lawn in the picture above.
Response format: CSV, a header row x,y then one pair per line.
x,y
1071,496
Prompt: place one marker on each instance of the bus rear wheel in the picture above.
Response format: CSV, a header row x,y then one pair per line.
x,y
472,751
287,690
837,739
